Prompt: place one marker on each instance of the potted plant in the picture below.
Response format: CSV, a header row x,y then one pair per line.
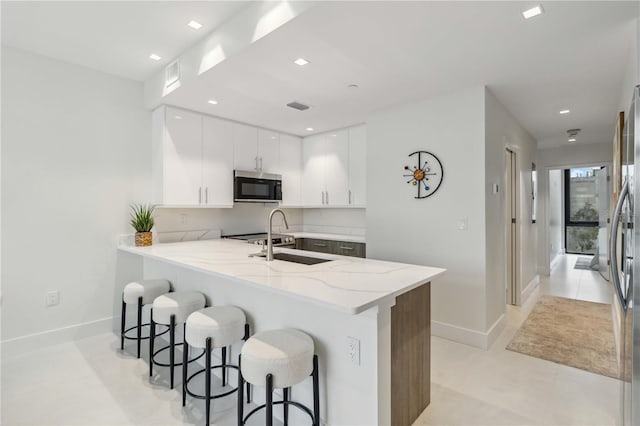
x,y
142,222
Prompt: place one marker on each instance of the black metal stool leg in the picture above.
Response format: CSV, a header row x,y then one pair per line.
x,y
139,324
240,394
207,380
185,371
172,346
316,393
246,337
285,406
269,401
124,314
224,369
152,338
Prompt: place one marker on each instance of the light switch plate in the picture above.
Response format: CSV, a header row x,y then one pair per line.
x,y
353,350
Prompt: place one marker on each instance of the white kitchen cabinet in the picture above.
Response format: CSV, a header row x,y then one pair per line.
x,y
217,161
255,149
336,168
327,172
313,187
245,147
268,151
291,169
181,157
192,159
357,165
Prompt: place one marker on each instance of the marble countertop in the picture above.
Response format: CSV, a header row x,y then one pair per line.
x,y
347,284
333,237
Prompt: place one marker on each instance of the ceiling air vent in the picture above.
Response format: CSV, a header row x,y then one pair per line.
x,y
171,73
298,106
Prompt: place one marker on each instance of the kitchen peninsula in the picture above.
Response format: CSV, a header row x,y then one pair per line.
x,y
384,306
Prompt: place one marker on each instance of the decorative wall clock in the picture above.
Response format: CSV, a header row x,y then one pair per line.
x,y
426,175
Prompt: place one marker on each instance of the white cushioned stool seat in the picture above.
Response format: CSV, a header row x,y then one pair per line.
x,y
180,303
147,289
224,324
287,354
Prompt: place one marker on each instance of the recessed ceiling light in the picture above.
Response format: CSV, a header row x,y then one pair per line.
x,y
353,86
309,129
301,62
273,137
212,102
155,57
178,117
534,11
565,111
194,24
572,139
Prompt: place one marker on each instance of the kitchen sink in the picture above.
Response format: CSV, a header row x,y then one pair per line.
x,y
305,260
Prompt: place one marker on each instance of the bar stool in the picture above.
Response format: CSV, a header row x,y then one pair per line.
x,y
141,292
172,309
211,328
278,359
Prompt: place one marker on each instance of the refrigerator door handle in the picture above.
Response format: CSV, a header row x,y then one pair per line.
x,y
613,245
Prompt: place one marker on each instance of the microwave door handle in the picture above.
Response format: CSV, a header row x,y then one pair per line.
x,y
613,245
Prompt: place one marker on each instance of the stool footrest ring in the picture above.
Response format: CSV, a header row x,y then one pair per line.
x,y
163,364
294,403
142,337
195,395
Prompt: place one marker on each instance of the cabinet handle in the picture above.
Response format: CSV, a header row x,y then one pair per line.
x,y
327,197
345,248
200,195
206,195
319,245
256,159
349,196
260,163
322,197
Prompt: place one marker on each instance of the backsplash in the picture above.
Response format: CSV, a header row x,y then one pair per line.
x,y
335,221
197,223
193,224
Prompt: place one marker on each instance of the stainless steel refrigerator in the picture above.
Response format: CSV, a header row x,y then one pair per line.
x,y
624,242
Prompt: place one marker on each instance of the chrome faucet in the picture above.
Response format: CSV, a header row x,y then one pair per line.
x,y
269,239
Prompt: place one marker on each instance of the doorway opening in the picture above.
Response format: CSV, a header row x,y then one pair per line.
x,y
512,234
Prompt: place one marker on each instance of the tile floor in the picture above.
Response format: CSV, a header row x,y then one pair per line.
x,y
499,387
80,383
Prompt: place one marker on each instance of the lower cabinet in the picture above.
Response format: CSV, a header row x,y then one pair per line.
x,y
343,248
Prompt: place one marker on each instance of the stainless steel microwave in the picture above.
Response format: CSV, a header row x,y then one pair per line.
x,y
256,187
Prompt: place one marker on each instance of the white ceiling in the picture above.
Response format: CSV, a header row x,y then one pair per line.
x,y
115,37
573,56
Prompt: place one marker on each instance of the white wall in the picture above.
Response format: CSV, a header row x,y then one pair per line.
x,y
502,130
425,232
556,217
558,158
75,153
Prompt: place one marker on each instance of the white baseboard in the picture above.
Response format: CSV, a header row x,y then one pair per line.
x,y
478,339
557,258
530,288
20,345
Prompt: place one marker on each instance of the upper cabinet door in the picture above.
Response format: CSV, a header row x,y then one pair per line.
x,y
217,161
336,168
291,169
357,165
182,157
245,147
268,151
313,188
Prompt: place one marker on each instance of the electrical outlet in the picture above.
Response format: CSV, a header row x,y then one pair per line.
x,y
183,219
353,350
53,298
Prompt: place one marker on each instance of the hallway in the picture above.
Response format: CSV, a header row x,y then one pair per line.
x,y
499,387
